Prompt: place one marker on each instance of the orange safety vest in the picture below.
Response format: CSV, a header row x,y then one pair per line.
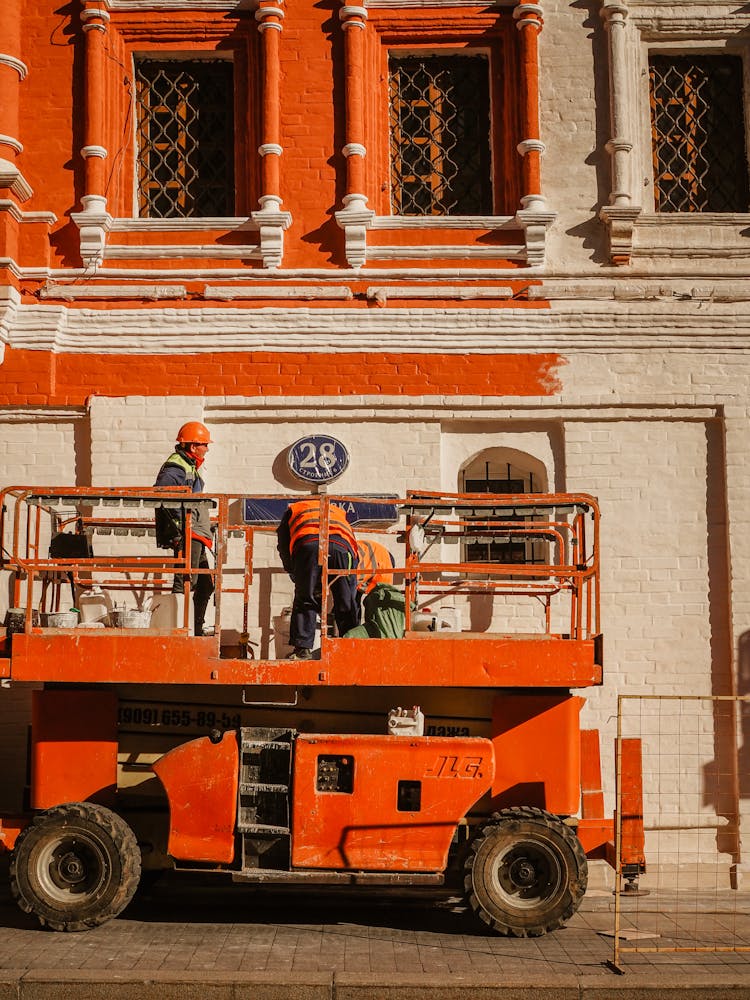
x,y
304,523
372,556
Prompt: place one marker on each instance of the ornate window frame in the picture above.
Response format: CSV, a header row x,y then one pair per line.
x,y
634,30
200,27
508,30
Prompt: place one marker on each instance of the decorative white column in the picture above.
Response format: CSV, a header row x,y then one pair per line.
x,y
94,222
271,221
620,214
534,216
13,72
355,218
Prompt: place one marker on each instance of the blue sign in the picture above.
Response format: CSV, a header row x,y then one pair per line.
x,y
271,511
317,458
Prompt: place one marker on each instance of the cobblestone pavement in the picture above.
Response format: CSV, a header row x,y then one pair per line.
x,y
213,941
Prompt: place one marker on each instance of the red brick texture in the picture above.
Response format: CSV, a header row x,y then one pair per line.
x,y
42,378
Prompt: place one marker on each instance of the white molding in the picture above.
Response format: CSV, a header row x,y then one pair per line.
x,y
694,219
180,251
262,409
12,178
6,205
94,223
294,292
723,291
443,222
355,218
53,290
196,224
89,13
272,223
39,414
167,5
437,4
381,293
465,252
20,67
8,140
566,326
98,152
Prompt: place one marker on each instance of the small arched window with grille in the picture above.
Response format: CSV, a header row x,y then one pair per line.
x,y
508,471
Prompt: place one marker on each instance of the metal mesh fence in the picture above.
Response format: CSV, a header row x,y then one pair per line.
x,y
440,135
185,138
698,133
691,897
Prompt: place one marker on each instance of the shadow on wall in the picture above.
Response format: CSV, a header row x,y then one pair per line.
x,y
743,689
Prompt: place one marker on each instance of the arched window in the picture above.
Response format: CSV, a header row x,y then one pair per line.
x,y
505,470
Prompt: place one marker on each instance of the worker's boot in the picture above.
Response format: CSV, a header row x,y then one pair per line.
x,y
300,653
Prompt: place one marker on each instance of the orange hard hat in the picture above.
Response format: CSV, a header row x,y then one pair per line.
x,y
193,432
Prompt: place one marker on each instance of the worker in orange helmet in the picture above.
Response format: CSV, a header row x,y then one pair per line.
x,y
298,538
182,468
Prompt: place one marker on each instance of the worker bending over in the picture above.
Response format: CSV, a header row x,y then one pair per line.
x,y
298,537
181,469
373,556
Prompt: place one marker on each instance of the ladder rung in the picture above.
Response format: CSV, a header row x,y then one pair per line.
x,y
262,828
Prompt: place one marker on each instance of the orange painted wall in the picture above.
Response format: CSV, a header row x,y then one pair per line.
x,y
39,377
311,111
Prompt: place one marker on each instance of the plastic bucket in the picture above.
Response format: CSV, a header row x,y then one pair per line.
x,y
59,619
130,618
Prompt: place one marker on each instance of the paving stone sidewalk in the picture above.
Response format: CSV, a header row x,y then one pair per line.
x,y
191,941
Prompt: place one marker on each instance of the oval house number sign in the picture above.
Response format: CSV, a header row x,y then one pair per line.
x,y
318,458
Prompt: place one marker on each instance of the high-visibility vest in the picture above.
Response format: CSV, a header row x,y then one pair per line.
x,y
372,556
304,524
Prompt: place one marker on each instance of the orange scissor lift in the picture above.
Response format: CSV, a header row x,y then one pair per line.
x,y
507,821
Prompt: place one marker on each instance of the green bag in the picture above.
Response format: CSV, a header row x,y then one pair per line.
x,y
385,614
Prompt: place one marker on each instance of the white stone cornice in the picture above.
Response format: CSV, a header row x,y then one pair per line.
x,y
20,67
606,325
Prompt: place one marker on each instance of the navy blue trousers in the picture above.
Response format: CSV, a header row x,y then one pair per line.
x,y
306,606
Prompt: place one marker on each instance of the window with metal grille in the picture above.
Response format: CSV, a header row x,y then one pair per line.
x,y
440,135
185,123
508,542
697,122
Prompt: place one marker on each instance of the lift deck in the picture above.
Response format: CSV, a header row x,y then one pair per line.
x,y
564,651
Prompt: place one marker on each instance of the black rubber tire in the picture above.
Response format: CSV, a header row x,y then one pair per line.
x,y
75,866
526,872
